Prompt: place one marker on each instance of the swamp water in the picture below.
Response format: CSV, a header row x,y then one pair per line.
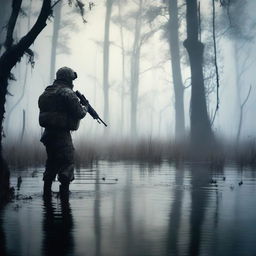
x,y
131,209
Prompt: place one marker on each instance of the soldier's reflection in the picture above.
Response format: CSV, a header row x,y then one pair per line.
x,y
57,228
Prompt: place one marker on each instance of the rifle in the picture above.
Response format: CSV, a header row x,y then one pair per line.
x,y
91,111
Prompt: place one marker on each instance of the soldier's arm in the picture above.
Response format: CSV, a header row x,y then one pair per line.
x,y
73,105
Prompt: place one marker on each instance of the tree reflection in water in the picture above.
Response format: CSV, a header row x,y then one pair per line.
x,y
199,180
170,210
2,235
200,177
97,215
175,214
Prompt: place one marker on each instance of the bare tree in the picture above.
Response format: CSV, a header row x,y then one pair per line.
x,y
176,69
238,27
10,57
4,15
55,36
241,66
109,4
135,69
201,133
121,29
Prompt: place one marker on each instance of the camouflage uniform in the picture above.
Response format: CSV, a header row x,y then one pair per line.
x,y
60,112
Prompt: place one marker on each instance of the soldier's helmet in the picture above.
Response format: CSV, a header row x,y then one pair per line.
x,y
66,74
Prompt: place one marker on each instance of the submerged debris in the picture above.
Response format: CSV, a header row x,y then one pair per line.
x,y
16,207
19,181
240,183
27,198
213,181
34,173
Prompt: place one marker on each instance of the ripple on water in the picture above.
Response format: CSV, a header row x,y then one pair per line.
x,y
130,209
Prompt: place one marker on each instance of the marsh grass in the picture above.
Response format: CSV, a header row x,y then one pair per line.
x,y
32,153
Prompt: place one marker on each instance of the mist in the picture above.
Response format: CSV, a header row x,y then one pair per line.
x,y
134,72
173,170
80,46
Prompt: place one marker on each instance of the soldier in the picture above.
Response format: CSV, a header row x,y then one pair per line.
x,y
60,113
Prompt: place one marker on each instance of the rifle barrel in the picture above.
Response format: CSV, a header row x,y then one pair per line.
x,y
84,101
102,121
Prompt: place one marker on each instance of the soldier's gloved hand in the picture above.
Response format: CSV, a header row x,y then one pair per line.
x,y
85,108
84,102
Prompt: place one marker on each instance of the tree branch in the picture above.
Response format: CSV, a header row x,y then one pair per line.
x,y
55,3
215,61
16,4
153,67
247,97
13,55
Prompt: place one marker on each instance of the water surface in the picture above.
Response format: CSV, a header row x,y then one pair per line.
x,y
131,209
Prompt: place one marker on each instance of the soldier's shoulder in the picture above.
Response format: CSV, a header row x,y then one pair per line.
x,y
66,91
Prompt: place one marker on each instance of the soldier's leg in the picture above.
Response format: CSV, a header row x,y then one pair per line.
x,y
51,169
66,168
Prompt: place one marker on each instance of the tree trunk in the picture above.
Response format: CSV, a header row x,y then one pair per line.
x,y
7,121
239,129
238,91
23,125
4,14
201,133
135,67
7,61
4,170
109,4
55,36
123,65
176,70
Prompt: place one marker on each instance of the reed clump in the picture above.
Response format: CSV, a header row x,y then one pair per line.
x,y
88,152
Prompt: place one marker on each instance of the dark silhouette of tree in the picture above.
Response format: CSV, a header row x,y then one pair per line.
x,y
142,23
201,133
10,57
238,27
109,4
143,30
135,69
8,60
121,29
3,249
4,15
55,37
176,69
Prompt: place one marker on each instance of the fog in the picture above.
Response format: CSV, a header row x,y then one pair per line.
x,y
80,46
175,82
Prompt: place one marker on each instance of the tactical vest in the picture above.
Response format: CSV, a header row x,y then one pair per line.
x,y
54,113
